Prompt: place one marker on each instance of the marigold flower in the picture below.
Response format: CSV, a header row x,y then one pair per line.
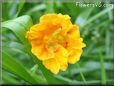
x,y
56,41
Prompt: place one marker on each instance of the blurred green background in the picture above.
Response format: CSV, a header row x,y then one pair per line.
x,y
96,65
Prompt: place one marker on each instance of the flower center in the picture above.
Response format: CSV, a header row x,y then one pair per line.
x,y
53,40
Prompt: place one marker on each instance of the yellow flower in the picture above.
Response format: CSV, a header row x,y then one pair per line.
x,y
56,42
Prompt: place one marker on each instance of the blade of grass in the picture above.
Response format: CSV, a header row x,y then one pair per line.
x,y
33,69
103,73
107,43
21,4
82,75
12,10
110,14
50,6
8,79
38,7
91,66
91,82
82,18
12,65
98,15
41,80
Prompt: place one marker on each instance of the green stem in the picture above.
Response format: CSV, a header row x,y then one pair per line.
x,y
33,69
82,75
103,74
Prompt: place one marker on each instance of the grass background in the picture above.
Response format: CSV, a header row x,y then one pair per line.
x,y
19,66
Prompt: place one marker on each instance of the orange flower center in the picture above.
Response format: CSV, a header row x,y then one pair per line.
x,y
53,40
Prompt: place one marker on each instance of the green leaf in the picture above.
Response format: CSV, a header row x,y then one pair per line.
x,y
96,82
8,78
103,73
20,6
19,27
107,43
12,65
98,15
82,18
38,7
81,74
92,66
50,7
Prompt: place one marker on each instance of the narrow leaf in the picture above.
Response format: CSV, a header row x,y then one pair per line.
x,y
12,65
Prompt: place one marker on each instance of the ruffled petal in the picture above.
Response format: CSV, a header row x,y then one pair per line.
x,y
74,56
61,57
52,65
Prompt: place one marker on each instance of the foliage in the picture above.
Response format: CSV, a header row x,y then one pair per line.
x,y
19,66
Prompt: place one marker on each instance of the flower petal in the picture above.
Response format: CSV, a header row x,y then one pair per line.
x,y
52,65
61,57
39,52
74,56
